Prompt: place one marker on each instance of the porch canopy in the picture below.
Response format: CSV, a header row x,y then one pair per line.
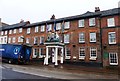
x,y
55,46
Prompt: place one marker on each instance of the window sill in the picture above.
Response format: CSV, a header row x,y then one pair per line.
x,y
82,58
81,42
113,63
92,41
68,57
112,43
93,58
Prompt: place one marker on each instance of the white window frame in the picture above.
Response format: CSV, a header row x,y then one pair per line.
x,y
9,40
27,40
13,40
67,25
2,32
66,55
49,27
81,36
14,31
66,38
110,22
28,30
110,38
92,22
40,53
20,30
10,31
81,57
93,57
35,39
81,23
92,39
42,38
116,58
58,26
42,28
20,39
6,32
34,56
36,29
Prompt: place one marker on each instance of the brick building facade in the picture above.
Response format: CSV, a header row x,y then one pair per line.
x,y
91,38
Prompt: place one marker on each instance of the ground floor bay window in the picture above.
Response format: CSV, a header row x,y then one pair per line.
x,y
113,58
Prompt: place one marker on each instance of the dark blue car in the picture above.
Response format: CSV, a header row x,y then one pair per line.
x,y
15,53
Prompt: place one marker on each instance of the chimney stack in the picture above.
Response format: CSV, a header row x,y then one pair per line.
x,y
21,21
53,17
97,9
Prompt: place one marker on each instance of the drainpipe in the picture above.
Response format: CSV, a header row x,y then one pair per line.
x,y
101,49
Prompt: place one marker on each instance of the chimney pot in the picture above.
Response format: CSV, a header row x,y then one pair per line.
x,y
97,9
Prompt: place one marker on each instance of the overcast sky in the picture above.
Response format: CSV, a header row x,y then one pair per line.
x,y
12,11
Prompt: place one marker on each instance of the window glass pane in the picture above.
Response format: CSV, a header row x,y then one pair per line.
x,y
111,22
92,22
66,38
67,25
113,58
93,52
81,23
58,26
81,37
82,52
112,38
92,37
42,28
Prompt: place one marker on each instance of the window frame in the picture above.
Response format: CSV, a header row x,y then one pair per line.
x,y
93,41
42,39
82,57
109,20
91,55
58,26
68,39
112,38
13,39
49,27
28,30
92,22
36,29
67,25
81,23
2,32
42,28
35,40
10,31
6,32
27,40
67,56
14,31
116,58
82,34
9,40
20,30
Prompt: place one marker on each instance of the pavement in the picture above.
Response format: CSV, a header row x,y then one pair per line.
x,y
66,71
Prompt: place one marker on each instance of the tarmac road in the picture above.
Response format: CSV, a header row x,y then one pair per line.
x,y
30,73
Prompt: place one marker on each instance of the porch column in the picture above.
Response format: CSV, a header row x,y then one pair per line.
x,y
53,55
56,56
61,61
46,58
